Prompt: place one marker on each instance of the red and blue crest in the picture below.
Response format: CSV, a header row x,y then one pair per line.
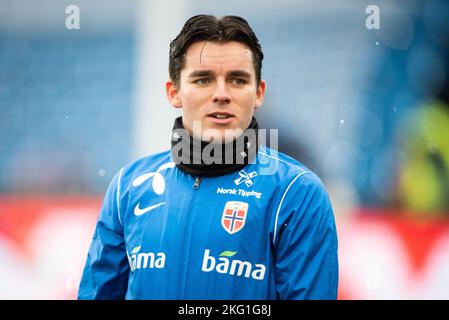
x,y
234,216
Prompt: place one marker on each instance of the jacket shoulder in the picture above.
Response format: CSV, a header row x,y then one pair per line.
x,y
278,163
284,169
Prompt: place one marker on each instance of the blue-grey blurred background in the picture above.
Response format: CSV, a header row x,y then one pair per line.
x,y
366,109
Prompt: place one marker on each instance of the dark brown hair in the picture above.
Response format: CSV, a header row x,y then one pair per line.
x,y
210,28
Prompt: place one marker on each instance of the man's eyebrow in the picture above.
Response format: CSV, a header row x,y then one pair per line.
x,y
240,74
210,73
201,73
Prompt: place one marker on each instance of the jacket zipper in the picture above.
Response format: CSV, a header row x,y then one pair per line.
x,y
196,186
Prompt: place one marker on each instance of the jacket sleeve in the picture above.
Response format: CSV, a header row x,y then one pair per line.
x,y
306,265
105,275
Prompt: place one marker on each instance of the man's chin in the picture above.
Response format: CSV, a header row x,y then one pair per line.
x,y
220,135
214,132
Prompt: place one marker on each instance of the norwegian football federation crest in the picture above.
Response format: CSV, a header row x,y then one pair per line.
x,y
234,216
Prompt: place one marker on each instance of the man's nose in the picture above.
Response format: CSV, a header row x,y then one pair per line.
x,y
221,95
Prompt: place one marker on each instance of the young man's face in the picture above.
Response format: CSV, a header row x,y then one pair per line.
x,y
217,88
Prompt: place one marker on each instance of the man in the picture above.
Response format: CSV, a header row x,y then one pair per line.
x,y
207,220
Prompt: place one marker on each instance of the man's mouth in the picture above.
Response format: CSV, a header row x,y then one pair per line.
x,y
220,115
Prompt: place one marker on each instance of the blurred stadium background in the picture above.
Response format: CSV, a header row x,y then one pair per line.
x,y
367,109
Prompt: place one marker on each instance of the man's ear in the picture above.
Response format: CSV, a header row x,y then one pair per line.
x,y
173,94
260,94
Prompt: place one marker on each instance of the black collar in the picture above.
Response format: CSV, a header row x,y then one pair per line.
x,y
200,158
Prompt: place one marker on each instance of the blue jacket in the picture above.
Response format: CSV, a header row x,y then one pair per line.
x,y
265,232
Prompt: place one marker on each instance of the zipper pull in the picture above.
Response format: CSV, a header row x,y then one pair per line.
x,y
196,185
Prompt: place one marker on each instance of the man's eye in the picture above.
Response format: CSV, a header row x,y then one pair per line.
x,y
238,81
202,81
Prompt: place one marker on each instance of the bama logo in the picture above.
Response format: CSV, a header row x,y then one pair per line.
x,y
145,260
233,267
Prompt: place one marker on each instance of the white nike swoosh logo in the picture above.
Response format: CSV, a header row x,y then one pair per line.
x,y
139,212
